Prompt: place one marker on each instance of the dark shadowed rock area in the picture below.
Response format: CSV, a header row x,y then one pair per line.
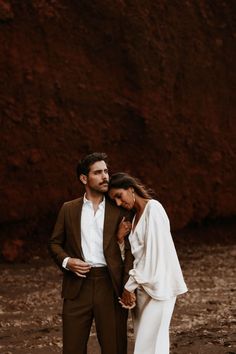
x,y
151,83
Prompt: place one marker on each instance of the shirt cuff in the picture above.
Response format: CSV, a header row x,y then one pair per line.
x,y
131,284
64,263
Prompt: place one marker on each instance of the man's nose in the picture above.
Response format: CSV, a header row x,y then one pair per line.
x,y
105,175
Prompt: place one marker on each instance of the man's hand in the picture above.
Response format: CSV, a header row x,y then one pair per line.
x,y
128,299
123,230
79,267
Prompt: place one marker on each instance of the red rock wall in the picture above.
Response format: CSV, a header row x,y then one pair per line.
x,y
151,83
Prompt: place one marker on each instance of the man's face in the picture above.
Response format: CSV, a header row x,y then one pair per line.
x,y
98,178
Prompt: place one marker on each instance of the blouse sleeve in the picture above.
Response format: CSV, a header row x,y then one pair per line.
x,y
157,269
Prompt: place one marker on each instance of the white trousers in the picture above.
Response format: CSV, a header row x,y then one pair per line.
x,y
151,320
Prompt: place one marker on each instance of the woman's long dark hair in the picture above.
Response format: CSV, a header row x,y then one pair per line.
x,y
125,181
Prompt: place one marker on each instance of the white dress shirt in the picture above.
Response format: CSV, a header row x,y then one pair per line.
x,y
92,234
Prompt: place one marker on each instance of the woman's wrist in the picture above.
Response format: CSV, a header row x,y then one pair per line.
x,y
120,238
120,241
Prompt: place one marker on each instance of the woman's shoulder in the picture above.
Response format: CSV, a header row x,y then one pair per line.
x,y
154,204
155,207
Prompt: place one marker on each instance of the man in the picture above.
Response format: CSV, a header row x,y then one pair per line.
x,y
84,245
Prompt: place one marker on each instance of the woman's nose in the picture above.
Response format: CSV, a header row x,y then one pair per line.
x,y
118,202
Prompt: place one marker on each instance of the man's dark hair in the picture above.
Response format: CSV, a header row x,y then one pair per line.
x,y
84,164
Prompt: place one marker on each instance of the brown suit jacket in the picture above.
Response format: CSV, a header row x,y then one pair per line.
x,y
66,242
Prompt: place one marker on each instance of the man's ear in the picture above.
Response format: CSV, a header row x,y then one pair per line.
x,y
83,179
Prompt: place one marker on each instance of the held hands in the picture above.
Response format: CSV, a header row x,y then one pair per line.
x,y
128,300
123,230
79,267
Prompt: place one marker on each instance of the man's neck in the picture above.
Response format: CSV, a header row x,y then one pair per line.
x,y
95,197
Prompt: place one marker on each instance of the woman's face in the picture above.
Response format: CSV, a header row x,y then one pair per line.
x,y
122,197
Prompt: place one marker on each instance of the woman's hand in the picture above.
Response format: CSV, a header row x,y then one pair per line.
x,y
128,299
123,230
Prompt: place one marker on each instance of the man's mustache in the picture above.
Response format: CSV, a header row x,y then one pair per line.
x,y
104,182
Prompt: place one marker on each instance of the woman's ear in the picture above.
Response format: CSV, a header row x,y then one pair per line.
x,y
83,179
133,193
131,189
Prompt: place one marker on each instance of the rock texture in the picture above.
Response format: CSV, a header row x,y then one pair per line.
x,y
151,83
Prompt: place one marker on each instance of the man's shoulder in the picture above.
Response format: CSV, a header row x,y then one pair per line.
x,y
119,210
73,202
111,204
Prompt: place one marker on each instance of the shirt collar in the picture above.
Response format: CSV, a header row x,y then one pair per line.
x,y
88,202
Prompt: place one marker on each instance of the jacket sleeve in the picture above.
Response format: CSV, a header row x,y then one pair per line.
x,y
128,257
128,261
57,239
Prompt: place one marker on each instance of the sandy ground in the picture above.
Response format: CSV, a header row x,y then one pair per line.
x,y
204,320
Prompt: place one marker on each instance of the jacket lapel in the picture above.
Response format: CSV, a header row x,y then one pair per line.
x,y
110,223
76,221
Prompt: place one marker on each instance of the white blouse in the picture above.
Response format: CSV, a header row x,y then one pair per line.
x,y
156,266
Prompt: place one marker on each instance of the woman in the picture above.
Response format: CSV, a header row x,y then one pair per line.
x,y
156,277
